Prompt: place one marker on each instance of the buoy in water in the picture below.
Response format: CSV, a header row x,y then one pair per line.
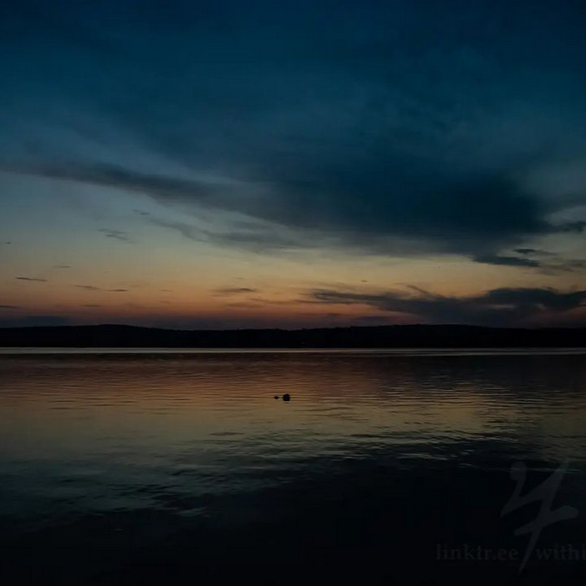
x,y
286,397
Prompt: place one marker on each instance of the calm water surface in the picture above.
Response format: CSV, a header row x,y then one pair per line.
x,y
169,467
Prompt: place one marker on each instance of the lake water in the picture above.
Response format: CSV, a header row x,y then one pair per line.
x,y
385,467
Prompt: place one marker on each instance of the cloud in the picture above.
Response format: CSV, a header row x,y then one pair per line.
x,y
504,306
533,252
94,288
62,267
386,210
575,227
115,176
573,265
368,208
244,305
549,262
234,291
397,128
508,261
31,279
256,237
117,235
9,307
563,265
186,230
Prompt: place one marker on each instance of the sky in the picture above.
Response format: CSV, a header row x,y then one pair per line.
x,y
303,163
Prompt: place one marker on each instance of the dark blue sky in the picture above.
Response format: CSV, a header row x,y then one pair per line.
x,y
400,130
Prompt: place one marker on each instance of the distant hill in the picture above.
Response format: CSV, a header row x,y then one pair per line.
x,y
411,336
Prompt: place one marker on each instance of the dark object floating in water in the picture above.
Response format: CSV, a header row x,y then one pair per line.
x,y
276,396
286,397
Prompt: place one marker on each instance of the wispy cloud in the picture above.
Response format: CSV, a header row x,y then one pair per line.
x,y
117,235
186,230
94,288
116,176
32,279
256,237
234,291
533,252
507,261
